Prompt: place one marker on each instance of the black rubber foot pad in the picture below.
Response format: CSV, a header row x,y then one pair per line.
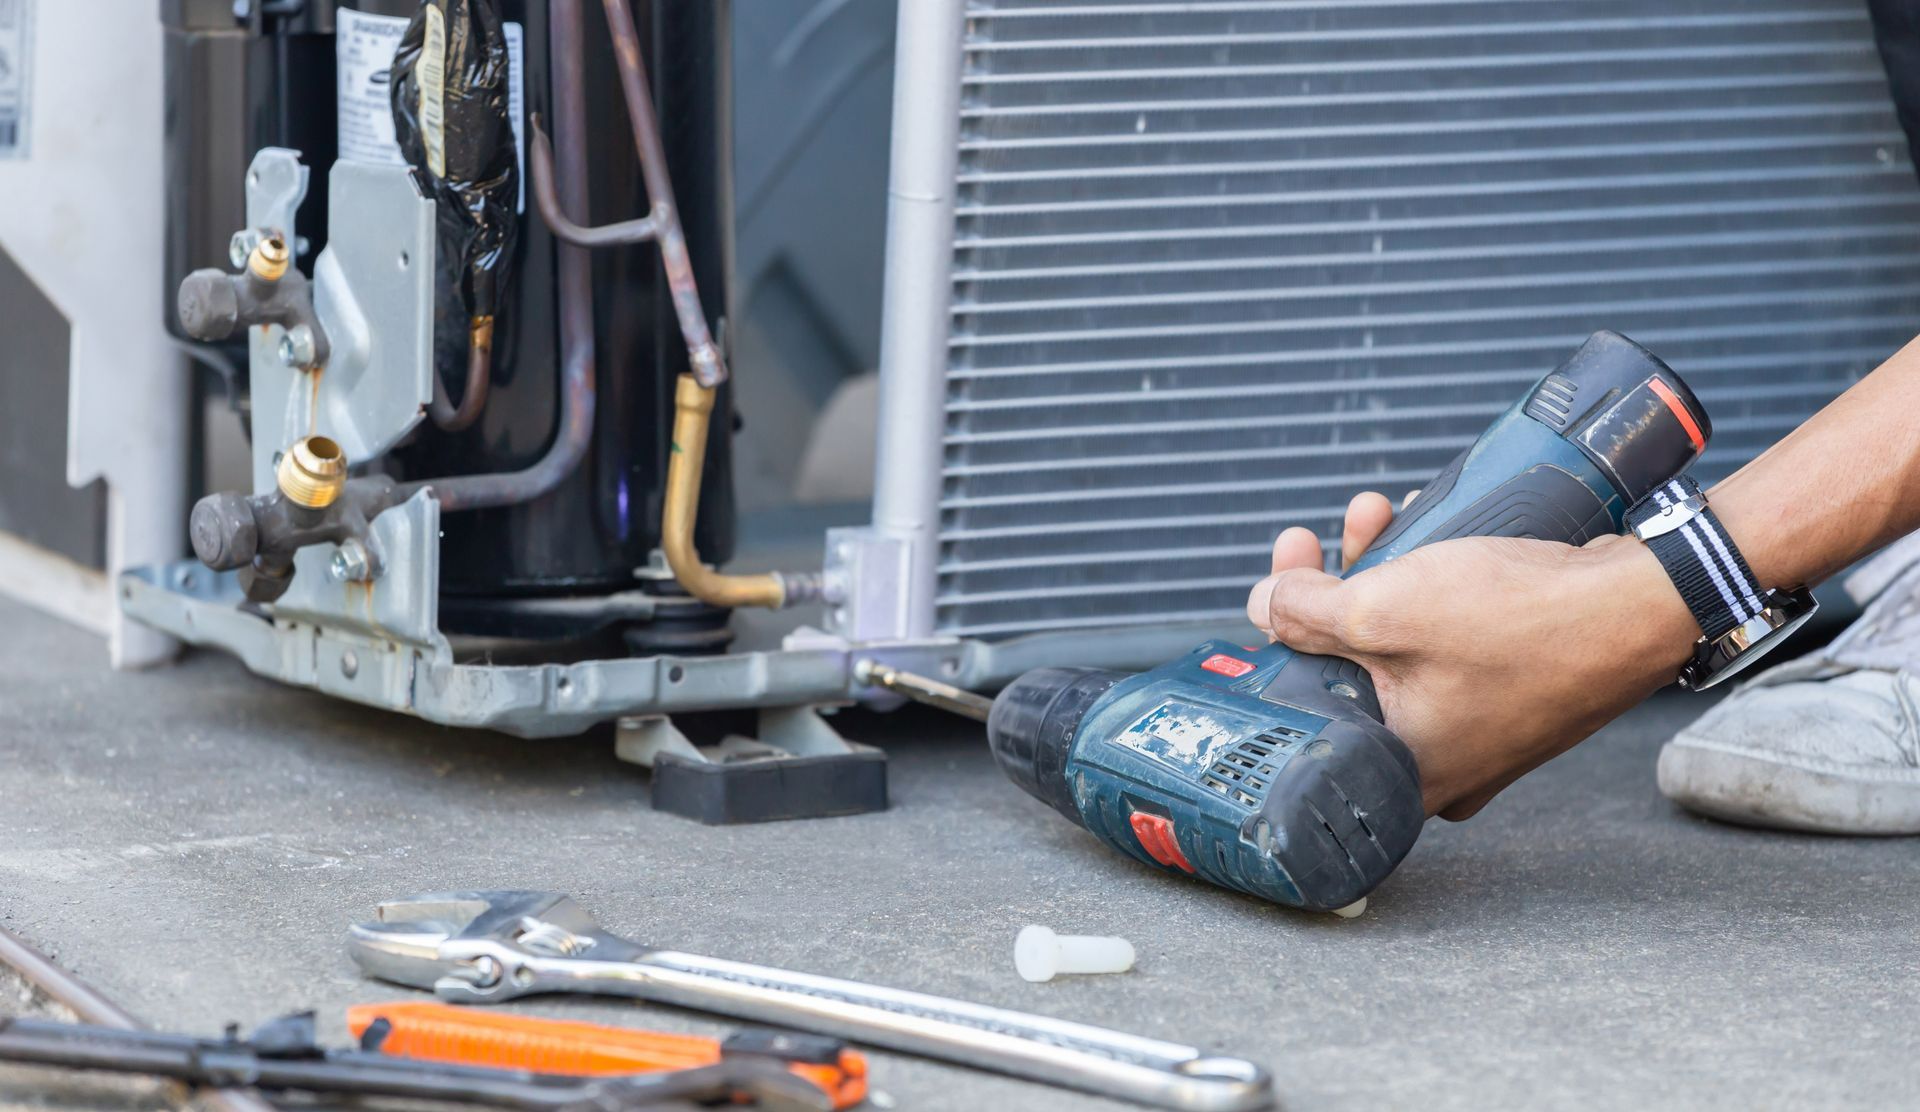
x,y
771,789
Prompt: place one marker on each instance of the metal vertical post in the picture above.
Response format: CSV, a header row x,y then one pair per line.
x,y
918,282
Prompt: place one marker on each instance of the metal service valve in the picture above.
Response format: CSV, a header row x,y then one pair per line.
x,y
213,304
315,503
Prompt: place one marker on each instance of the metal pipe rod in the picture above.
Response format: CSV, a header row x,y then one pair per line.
x,y
540,157
922,689
85,1002
454,418
693,393
472,492
917,287
703,355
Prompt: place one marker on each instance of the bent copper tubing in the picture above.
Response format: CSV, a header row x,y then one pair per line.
x,y
474,492
694,393
540,158
703,355
479,379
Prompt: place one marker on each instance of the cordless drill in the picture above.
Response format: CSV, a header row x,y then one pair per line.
x,y
1270,771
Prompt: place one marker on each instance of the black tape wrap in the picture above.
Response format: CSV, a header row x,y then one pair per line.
x,y
463,147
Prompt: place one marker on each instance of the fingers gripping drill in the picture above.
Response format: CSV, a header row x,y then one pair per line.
x,y
1271,772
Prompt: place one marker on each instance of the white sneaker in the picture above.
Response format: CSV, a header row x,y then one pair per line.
x,y
1829,742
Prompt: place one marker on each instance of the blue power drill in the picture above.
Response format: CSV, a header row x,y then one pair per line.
x,y
1269,771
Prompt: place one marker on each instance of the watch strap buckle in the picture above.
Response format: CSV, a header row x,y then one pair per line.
x,y
1715,659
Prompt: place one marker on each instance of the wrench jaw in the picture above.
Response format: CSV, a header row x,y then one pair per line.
x,y
403,953
485,946
485,971
407,942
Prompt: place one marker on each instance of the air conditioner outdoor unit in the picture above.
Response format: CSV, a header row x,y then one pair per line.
x,y
1163,278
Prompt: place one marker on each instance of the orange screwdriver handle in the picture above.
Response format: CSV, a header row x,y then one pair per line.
x,y
443,1033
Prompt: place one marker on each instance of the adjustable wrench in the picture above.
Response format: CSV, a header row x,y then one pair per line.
x,y
490,946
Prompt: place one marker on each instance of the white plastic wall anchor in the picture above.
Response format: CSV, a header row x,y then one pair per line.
x,y
1352,910
1039,954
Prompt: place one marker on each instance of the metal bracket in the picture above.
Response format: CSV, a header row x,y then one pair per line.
x,y
399,603
531,700
867,584
276,185
373,293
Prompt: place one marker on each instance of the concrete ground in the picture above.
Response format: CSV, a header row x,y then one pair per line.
x,y
195,841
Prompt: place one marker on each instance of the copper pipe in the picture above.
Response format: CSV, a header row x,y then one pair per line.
x,y
702,353
687,458
479,379
566,52
540,158
693,393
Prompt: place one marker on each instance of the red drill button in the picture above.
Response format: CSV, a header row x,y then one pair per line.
x,y
1230,666
1156,837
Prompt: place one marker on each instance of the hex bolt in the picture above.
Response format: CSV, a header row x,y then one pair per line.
x,y
350,563
297,347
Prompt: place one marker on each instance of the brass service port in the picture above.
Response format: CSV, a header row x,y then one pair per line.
x,y
312,472
268,260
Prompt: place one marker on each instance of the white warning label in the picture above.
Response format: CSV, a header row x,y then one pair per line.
x,y
15,53
517,105
364,46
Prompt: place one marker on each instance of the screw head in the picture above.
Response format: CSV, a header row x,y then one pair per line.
x,y
297,348
350,564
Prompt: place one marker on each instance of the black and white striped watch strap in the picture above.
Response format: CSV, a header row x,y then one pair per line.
x,y
1704,563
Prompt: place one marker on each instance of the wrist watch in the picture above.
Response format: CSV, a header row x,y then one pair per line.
x,y
1739,622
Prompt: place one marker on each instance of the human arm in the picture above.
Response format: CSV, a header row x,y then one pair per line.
x,y
1493,655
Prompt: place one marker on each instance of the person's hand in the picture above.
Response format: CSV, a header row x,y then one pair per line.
x,y
1490,655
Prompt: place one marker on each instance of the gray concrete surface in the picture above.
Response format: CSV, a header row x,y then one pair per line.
x,y
194,841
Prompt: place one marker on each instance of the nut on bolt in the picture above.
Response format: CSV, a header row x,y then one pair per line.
x,y
312,472
350,563
297,347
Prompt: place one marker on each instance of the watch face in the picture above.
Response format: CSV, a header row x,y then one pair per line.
x,y
1709,668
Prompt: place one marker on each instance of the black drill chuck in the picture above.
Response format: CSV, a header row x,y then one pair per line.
x,y
1033,723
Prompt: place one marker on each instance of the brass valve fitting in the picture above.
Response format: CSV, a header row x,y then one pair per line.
x,y
268,260
312,472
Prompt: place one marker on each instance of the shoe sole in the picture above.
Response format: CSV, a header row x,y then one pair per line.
x,y
1739,786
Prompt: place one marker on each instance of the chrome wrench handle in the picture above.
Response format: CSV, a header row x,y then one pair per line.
x,y
1075,1055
